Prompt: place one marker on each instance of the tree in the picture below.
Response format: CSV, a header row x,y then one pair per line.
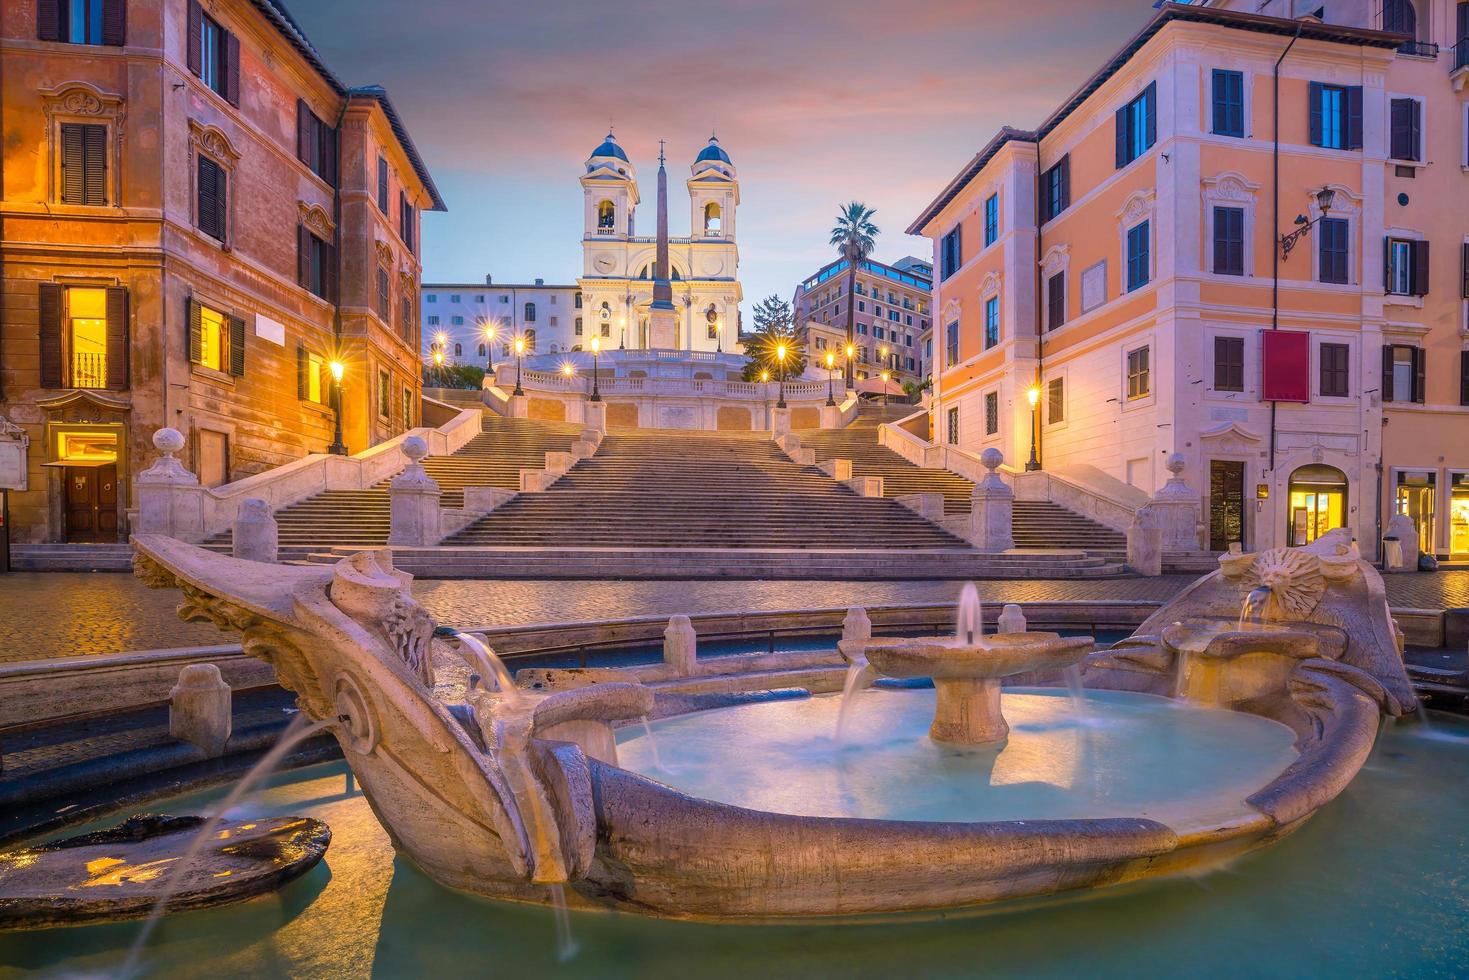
x,y
854,236
453,376
772,330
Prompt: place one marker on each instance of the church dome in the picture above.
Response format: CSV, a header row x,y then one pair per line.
x,y
713,152
609,148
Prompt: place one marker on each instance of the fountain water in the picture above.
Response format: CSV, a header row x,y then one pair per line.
x,y
652,744
488,662
969,619
1074,687
860,676
1252,610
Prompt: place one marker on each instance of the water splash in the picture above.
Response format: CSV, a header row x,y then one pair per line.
x,y
1252,610
1075,687
566,945
295,733
860,676
489,664
652,745
969,622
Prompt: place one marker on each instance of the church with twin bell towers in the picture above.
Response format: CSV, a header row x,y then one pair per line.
x,y
654,291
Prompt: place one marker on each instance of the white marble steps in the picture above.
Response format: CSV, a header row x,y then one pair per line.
x,y
117,557
703,563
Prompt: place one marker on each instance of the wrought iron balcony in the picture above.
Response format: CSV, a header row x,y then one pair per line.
x,y
1419,49
88,370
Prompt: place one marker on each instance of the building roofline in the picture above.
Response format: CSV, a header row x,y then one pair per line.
x,y
380,94
275,11
492,286
902,272
1308,28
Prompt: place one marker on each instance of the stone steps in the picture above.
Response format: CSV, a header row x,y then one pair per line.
x,y
98,557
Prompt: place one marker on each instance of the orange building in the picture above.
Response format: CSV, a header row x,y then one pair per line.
x,y
198,218
891,321
1278,294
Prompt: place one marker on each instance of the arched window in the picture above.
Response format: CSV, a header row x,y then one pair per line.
x,y
530,340
458,350
481,350
578,300
530,313
711,218
1318,502
1399,17
647,273
606,216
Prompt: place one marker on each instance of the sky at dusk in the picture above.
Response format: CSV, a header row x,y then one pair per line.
x,y
816,103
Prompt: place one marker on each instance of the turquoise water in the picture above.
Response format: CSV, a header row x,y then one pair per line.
x,y
1374,885
1114,755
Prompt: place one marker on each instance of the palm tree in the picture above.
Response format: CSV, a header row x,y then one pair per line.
x,y
854,236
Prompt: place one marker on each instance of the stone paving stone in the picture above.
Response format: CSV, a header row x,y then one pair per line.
x,y
47,615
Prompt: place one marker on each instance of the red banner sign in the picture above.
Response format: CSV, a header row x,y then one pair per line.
x,y
1285,357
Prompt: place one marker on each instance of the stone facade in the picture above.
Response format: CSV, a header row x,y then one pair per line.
x,y
192,253
892,326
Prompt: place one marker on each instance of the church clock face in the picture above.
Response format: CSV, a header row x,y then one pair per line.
x,y
604,263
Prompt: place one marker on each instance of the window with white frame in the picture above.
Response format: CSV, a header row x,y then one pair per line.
x,y
1139,376
992,413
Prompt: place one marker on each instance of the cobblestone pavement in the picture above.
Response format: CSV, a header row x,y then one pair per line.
x,y
68,614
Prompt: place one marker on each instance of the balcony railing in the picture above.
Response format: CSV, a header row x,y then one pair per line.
x,y
1419,49
88,370
1461,54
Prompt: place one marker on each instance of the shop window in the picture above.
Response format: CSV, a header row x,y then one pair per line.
x,y
1415,496
1318,502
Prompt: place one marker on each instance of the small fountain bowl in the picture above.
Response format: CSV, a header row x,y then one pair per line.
x,y
999,655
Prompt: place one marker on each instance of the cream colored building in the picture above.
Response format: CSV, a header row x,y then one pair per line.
x,y
618,264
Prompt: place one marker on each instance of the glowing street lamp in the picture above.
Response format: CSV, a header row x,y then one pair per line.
x,y
718,337
851,355
596,349
780,358
1033,395
519,353
490,343
337,448
831,360
885,376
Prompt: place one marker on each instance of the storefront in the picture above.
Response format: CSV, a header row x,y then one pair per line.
x,y
1318,502
86,463
1415,494
1458,514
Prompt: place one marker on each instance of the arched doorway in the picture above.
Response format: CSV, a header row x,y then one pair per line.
x,y
1318,502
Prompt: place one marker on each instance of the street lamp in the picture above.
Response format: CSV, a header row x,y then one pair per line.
x,y
596,349
337,448
885,376
519,352
718,337
851,368
780,358
1324,197
831,360
490,344
1033,395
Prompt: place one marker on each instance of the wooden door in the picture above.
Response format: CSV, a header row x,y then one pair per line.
x,y
91,503
1226,503
214,458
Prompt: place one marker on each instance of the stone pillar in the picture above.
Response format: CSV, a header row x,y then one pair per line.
x,y
1145,542
1012,620
1401,526
680,645
780,422
1176,510
257,536
857,625
518,407
199,709
170,500
414,500
991,508
831,416
596,413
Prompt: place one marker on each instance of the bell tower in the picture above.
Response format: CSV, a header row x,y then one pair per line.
x,y
609,193
714,194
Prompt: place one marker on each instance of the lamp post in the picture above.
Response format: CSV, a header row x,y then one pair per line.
x,y
831,360
438,359
780,359
490,346
1324,197
885,376
718,337
338,448
519,352
596,349
1033,395
851,367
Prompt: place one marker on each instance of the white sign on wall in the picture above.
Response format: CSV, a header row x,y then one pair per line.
x,y
1094,286
271,330
13,443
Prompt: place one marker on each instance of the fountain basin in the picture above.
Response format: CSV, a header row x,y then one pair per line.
x,y
1218,664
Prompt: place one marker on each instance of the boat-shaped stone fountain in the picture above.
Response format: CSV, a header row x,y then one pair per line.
x,y
526,794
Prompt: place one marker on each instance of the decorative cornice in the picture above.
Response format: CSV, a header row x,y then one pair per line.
x,y
314,217
384,253
213,141
1138,205
990,284
1057,257
85,396
1229,186
81,99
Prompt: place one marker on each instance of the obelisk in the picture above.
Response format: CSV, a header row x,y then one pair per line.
x,y
662,317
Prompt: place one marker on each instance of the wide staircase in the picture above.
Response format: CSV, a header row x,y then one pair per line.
x,y
360,518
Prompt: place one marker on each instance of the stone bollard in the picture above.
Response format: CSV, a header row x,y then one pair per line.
x,y
414,501
1175,509
991,508
169,497
837,469
1012,620
1401,527
857,625
780,422
1145,543
199,709
680,645
257,536
596,416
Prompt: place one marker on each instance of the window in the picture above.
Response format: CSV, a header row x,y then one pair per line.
x,y
317,265
213,54
431,297
458,350
578,326
212,205
83,164
711,218
216,340
1138,380
481,350
1402,373
1138,267
1464,377
382,184
893,316
1229,241
530,313
992,413
1137,126
383,299
606,217
1056,189
576,301
384,395
1229,364
1056,300
454,298
405,315
953,433
1398,17
316,146
1055,401
1229,103
406,221
458,321
1407,267
951,252
951,344
86,314
991,219
81,21
878,332
309,369
407,407
1406,120
1336,116
433,320
83,336
1335,370
991,322
1331,239
861,306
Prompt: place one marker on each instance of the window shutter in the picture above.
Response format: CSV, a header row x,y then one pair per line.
x,y
303,366
1387,264
1464,270
305,130
48,20
1399,146
117,338
329,271
237,346
50,316
1464,377
1150,113
114,22
94,141
1415,128
73,164
196,331
1387,392
1065,177
1220,121
1420,268
1121,136
1420,361
303,257
328,152
232,70
1354,117
382,185
1317,101
204,187
221,200
196,38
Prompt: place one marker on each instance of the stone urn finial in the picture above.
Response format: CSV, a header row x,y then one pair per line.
x,y
1176,488
1175,463
415,448
168,468
168,441
992,459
